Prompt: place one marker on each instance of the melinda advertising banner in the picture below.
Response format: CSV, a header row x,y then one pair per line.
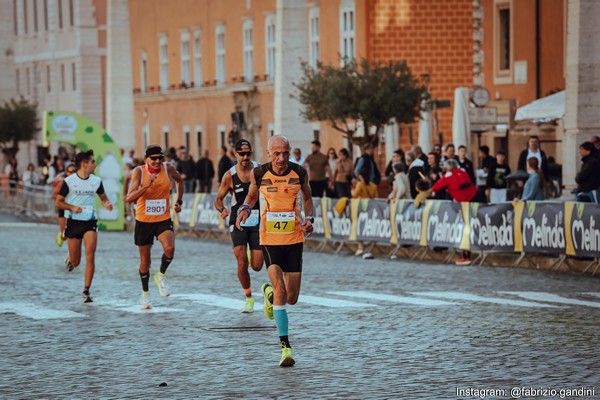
x,y
542,227
371,220
445,225
407,221
531,227
184,218
337,222
204,215
491,227
319,225
582,232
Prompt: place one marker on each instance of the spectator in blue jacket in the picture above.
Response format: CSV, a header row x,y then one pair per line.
x,y
534,186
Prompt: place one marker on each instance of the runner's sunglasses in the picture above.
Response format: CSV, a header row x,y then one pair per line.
x,y
157,158
244,153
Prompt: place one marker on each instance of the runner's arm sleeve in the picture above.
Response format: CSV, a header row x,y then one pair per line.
x,y
100,189
64,189
302,175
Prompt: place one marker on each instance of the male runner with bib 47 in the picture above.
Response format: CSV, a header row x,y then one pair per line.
x,y
281,232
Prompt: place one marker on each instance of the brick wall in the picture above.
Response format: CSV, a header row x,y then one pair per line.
x,y
434,36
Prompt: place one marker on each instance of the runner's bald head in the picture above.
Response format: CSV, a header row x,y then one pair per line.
x,y
279,140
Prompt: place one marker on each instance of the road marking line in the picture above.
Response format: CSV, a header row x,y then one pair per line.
x,y
212,300
35,312
328,302
553,298
393,298
127,306
237,304
21,225
473,297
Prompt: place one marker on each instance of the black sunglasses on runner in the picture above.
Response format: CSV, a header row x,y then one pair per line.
x,y
157,158
244,153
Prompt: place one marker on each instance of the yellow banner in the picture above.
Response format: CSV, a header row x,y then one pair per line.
x,y
393,206
428,205
519,207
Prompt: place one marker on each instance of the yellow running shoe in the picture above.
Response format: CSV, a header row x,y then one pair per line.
x,y
287,357
59,239
249,306
267,291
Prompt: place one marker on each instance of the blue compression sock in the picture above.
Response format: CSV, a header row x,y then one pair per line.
x,y
281,319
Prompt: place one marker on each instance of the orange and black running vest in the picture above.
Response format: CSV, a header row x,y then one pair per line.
x,y
280,217
154,204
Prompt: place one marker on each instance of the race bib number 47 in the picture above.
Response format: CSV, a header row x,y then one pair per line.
x,y
281,222
156,207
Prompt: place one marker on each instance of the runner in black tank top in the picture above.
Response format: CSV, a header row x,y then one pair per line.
x,y
236,181
240,191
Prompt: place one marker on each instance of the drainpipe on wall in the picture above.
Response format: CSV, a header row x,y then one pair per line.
x,y
537,50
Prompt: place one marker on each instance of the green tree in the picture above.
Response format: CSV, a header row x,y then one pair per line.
x,y
19,122
374,94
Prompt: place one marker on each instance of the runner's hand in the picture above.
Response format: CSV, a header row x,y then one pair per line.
x,y
224,213
76,210
307,228
177,208
241,218
107,205
152,177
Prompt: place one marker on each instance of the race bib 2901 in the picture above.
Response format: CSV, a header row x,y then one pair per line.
x,y
156,207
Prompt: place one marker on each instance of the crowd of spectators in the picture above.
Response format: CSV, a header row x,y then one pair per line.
x,y
334,174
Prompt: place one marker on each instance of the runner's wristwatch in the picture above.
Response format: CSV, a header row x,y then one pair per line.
x,y
310,219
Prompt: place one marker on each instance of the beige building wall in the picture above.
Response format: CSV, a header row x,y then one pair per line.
x,y
203,108
56,56
205,102
583,83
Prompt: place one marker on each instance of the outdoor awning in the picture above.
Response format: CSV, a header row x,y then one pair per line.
x,y
546,109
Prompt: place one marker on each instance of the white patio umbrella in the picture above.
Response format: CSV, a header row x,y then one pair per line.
x,y
425,132
546,109
461,124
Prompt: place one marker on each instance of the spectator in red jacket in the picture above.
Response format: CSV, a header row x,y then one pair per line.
x,y
459,186
458,183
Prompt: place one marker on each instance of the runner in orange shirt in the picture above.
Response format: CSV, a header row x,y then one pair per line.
x,y
281,232
151,189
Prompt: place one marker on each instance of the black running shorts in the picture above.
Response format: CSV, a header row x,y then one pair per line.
x,y
145,232
61,212
76,229
243,237
288,257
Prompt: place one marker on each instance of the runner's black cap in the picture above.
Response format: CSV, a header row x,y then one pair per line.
x,y
242,142
153,150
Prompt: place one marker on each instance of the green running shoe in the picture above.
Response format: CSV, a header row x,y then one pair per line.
x,y
267,291
287,357
249,306
59,239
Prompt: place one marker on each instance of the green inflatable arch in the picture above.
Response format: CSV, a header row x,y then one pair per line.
x,y
85,134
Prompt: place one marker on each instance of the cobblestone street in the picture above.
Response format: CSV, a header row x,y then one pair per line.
x,y
361,329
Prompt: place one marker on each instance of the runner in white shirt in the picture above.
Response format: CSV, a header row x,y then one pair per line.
x,y
76,197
